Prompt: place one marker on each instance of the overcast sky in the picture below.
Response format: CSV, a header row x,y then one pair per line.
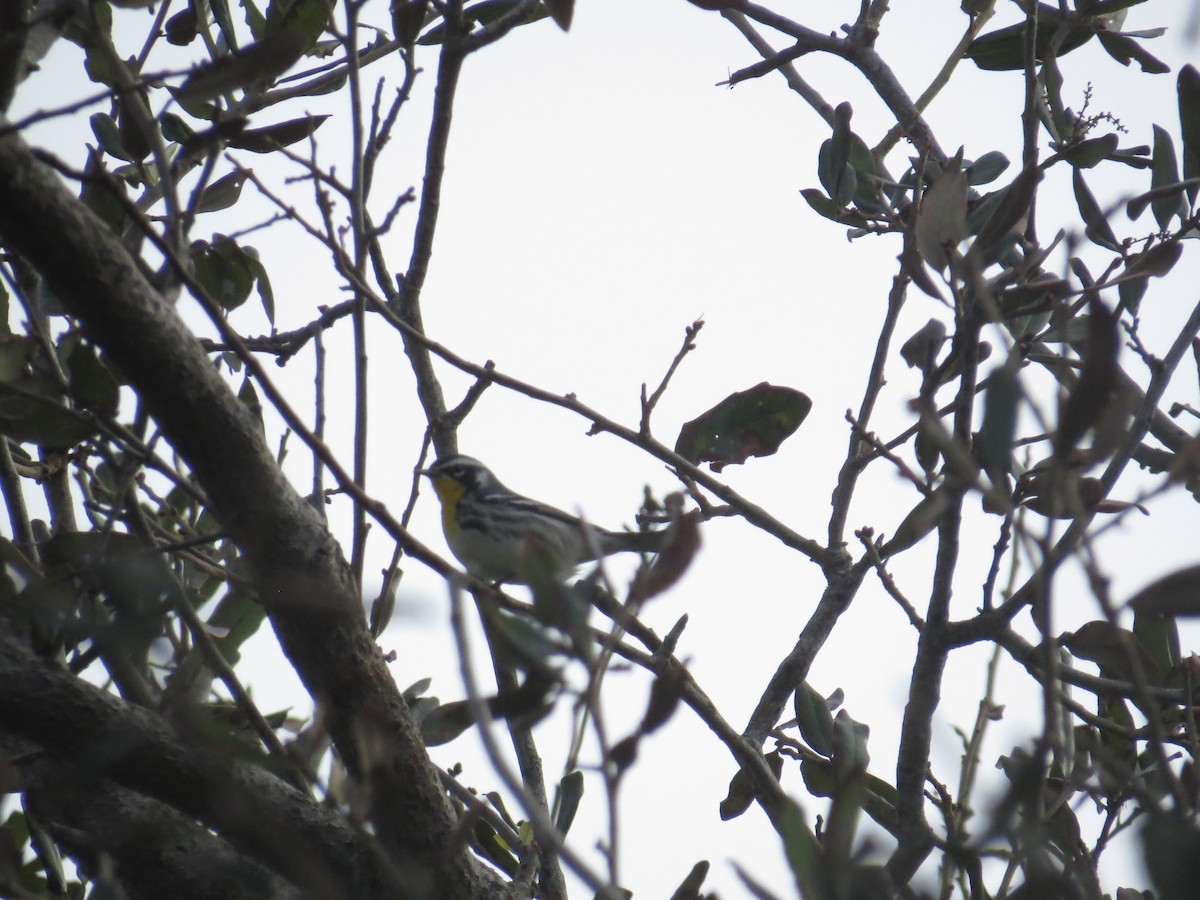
x,y
603,193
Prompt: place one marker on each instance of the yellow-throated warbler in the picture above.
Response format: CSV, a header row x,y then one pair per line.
x,y
500,536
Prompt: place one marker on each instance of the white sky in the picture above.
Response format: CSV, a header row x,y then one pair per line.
x,y
601,194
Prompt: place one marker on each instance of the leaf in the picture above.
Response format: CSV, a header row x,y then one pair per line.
x,y
1111,649
224,271
222,193
175,129
443,724
93,386
1177,594
741,788
1159,635
1171,844
1011,209
265,293
1004,49
987,168
814,718
1188,85
748,423
803,853
1124,50
180,29
739,796
220,11
255,20
483,14
1097,228
834,171
42,421
570,792
1164,170
942,219
1000,403
1097,378
823,206
408,18
921,350
689,888
282,134
1092,152
561,12
103,194
108,135
261,62
919,522
134,137
237,618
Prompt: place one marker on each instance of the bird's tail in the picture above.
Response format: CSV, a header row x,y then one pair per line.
x,y
636,541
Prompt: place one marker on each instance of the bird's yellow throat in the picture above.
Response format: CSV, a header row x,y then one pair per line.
x,y
449,492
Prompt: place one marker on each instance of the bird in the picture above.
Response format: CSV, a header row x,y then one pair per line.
x,y
505,538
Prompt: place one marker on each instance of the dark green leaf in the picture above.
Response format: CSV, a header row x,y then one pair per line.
x,y
836,174
803,853
175,129
272,137
1123,49
255,20
1177,594
1091,394
104,127
570,792
82,26
749,423
1159,635
1091,152
222,193
1009,211
493,849
1164,171
93,386
254,67
446,722
223,271
823,206
560,11
1188,84
102,194
236,619
483,14
1171,843
408,18
987,168
741,788
195,107
181,28
265,294
1096,224
1111,648
41,420
689,888
921,351
220,11
1004,49
249,397
132,112
814,718
1000,404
